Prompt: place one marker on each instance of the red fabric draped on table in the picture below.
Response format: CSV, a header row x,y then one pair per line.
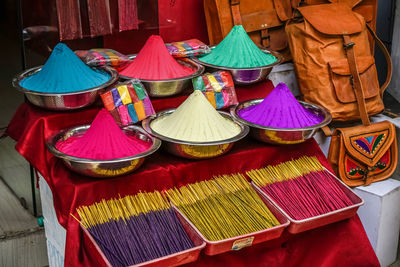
x,y
340,244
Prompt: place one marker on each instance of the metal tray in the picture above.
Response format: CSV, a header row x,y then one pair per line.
x,y
239,242
298,226
179,258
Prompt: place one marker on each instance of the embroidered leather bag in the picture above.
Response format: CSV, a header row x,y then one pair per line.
x,y
336,69
364,154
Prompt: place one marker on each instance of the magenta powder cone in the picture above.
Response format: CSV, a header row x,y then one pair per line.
x,y
103,140
280,109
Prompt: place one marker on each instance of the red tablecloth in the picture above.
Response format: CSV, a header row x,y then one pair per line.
x,y
340,244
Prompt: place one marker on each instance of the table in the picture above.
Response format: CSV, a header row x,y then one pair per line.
x,y
341,244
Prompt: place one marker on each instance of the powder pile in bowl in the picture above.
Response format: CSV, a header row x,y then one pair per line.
x,y
104,140
280,109
237,50
154,62
64,72
195,120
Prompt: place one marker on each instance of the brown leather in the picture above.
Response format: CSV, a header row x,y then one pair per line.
x,y
237,19
264,20
355,79
362,154
388,59
323,67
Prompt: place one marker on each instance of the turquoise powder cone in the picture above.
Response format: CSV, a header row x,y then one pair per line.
x,y
237,50
64,72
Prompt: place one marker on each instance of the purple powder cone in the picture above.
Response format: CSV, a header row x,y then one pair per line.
x,y
280,109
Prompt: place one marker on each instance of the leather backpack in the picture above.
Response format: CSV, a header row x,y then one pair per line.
x,y
264,20
335,69
326,44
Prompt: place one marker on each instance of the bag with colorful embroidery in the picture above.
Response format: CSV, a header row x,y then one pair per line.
x,y
218,87
188,48
103,56
128,102
362,154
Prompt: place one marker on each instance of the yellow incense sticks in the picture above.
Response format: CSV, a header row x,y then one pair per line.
x,y
285,171
121,208
224,207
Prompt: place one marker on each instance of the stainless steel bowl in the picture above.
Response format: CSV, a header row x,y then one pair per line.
x,y
170,87
195,150
284,136
245,76
64,101
103,168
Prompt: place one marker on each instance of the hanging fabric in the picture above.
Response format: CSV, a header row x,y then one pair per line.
x,y
69,19
128,15
99,17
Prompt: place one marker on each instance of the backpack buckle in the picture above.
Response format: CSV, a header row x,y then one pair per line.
x,y
348,45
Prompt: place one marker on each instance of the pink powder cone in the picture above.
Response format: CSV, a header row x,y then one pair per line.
x,y
102,141
280,109
154,62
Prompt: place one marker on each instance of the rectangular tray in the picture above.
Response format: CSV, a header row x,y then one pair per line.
x,y
239,242
179,258
298,226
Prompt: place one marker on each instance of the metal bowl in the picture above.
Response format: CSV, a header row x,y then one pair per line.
x,y
103,168
170,87
64,101
195,150
280,136
245,76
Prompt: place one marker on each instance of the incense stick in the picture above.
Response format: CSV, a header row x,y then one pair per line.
x,y
134,229
223,207
303,188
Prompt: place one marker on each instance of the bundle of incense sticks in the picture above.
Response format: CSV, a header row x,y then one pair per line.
x,y
303,188
134,229
224,207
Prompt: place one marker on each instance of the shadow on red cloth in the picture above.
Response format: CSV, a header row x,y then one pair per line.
x,y
340,244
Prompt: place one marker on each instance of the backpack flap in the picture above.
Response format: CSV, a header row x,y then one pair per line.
x,y
324,18
367,153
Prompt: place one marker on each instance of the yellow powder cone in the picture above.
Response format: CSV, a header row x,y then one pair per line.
x,y
196,120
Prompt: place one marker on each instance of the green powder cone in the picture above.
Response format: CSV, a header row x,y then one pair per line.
x,y
237,50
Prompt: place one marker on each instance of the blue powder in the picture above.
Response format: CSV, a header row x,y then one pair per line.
x,y
64,72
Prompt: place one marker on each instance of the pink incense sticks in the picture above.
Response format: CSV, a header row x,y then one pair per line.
x,y
303,188
280,109
154,62
103,140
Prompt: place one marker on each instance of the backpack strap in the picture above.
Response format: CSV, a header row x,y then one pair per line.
x,y
385,52
355,79
237,19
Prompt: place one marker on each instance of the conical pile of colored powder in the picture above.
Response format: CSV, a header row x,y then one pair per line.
x,y
154,62
237,50
280,109
64,72
196,120
103,140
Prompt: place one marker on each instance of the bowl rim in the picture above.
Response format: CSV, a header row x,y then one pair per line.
x,y
199,70
277,55
327,116
52,141
244,130
29,72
